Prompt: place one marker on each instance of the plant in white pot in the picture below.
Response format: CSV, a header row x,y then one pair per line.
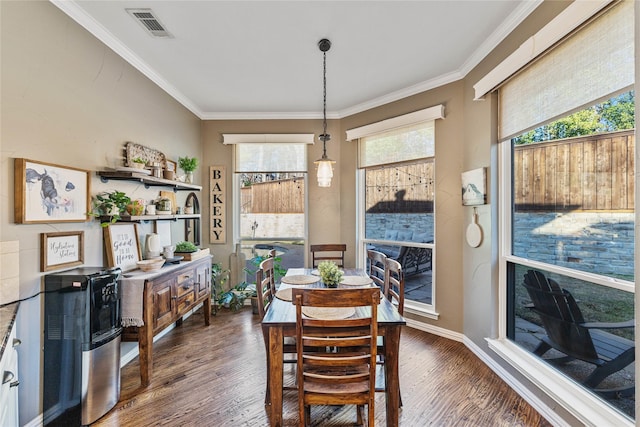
x,y
188,164
110,204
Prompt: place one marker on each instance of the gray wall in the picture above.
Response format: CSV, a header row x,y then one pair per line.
x,y
69,100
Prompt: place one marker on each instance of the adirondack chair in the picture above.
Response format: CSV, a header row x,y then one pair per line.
x,y
568,333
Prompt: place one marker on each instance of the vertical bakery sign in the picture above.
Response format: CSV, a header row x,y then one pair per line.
x,y
217,199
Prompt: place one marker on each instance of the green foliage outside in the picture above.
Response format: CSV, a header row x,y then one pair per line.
x,y
613,115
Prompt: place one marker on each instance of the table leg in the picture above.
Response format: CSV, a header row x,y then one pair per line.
x,y
392,381
275,349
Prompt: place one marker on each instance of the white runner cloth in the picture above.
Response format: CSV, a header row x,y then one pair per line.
x,y
132,286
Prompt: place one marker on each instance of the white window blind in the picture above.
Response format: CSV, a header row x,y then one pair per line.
x,y
271,157
398,145
591,65
264,153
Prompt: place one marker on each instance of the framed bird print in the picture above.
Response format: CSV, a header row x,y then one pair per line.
x,y
44,193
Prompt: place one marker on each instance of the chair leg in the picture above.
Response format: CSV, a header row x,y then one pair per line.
x,y
359,410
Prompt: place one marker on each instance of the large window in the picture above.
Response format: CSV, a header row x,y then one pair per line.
x,y
269,199
397,188
568,149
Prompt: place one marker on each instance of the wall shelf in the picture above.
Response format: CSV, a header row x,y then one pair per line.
x,y
139,218
148,181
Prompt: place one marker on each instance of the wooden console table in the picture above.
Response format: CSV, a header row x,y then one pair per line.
x,y
166,296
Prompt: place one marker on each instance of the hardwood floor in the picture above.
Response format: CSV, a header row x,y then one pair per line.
x,y
214,376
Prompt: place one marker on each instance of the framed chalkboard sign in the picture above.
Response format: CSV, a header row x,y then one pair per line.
x,y
122,246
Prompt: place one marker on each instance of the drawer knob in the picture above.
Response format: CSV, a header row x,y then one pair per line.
x,y
14,384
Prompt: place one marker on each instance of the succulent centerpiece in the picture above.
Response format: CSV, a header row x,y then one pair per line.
x,y
330,274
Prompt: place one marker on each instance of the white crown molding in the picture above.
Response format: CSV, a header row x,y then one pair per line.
x,y
81,17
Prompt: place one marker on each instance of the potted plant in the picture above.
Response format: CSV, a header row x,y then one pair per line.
x,y
111,204
185,247
330,274
138,162
136,207
188,164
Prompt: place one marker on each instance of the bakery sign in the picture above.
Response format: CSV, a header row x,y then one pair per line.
x,y
217,220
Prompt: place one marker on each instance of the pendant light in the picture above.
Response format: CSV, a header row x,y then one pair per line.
x,y
324,165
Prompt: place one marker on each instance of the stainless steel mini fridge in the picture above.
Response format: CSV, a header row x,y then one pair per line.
x,y
82,334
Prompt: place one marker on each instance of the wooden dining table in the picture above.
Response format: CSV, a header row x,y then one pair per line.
x,y
280,321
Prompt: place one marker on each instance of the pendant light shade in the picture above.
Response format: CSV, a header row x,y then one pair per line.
x,y
324,165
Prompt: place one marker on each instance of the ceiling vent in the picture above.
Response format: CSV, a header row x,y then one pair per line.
x,y
149,22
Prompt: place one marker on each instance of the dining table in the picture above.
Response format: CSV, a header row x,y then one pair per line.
x,y
280,321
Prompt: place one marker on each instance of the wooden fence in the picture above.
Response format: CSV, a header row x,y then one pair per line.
x,y
401,188
282,196
584,173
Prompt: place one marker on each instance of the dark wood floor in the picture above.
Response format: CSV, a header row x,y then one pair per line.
x,y
214,376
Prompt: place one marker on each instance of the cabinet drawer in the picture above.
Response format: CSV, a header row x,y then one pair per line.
x,y
184,303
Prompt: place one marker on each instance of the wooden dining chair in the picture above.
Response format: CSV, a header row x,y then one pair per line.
x,y
328,252
268,269
265,290
394,284
377,267
346,374
394,291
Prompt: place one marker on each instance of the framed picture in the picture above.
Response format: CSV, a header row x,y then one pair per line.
x,y
474,187
44,193
61,250
122,246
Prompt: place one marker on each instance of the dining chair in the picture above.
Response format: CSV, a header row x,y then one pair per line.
x,y
346,373
328,252
268,269
265,294
377,267
394,291
394,284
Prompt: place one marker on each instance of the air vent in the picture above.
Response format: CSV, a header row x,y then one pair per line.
x,y
149,22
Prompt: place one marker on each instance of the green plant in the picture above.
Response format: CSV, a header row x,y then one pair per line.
x,y
110,203
278,270
186,247
139,160
330,273
188,164
234,298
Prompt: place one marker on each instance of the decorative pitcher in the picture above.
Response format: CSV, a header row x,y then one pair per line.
x,y
152,246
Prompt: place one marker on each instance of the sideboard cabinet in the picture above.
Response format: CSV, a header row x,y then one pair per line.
x,y
167,298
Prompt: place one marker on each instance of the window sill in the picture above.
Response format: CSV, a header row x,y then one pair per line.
x,y
422,310
580,403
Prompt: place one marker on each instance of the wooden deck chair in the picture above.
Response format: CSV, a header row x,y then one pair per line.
x,y
568,333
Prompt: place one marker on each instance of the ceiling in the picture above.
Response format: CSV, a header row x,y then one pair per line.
x,y
260,59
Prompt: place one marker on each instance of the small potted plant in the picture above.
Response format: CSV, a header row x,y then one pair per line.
x,y
188,164
330,274
136,207
138,162
110,204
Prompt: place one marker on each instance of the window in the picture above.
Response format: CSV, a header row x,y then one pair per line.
x,y
396,183
567,135
270,199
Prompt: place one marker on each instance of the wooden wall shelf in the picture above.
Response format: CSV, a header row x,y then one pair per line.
x,y
148,181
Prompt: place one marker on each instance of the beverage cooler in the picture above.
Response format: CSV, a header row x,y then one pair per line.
x,y
82,334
